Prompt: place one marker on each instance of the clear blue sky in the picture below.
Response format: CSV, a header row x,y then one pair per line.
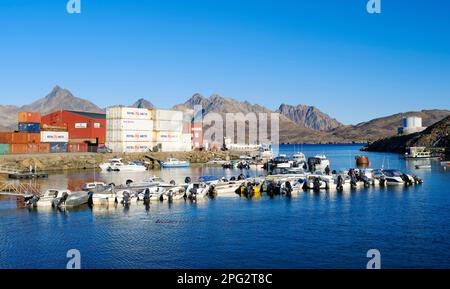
x,y
328,53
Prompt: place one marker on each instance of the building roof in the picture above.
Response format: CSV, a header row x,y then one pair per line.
x,y
92,115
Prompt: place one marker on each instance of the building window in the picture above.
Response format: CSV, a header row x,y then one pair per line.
x,y
97,125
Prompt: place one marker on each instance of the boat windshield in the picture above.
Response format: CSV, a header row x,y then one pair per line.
x,y
392,173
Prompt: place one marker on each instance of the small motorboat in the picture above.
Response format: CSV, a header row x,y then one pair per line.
x,y
299,159
198,190
319,163
445,164
46,200
396,177
420,167
316,183
174,163
105,166
71,199
125,197
216,162
130,167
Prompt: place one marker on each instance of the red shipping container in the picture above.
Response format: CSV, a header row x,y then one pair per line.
x,y
32,148
25,116
77,147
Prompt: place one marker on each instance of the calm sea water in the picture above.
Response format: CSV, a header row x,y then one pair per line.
x,y
409,226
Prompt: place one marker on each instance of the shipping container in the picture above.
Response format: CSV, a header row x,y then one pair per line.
x,y
4,149
130,147
168,125
173,147
33,117
122,112
19,137
77,147
44,148
129,124
30,127
167,136
18,148
58,147
168,115
128,136
54,136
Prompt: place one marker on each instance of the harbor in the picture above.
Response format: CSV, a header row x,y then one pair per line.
x,y
305,218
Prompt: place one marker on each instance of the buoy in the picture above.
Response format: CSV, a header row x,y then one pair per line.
x,y
362,161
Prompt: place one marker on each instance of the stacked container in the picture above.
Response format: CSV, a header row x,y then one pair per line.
x,y
22,143
57,140
168,130
29,122
129,129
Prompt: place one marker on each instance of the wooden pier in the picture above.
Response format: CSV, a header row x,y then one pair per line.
x,y
16,174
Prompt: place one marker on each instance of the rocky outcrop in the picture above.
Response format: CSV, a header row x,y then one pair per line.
x,y
435,136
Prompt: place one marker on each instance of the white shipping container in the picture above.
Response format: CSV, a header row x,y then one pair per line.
x,y
122,112
54,136
165,114
167,136
128,136
130,147
129,124
168,125
173,147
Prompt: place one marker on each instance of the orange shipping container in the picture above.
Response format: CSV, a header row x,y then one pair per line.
x,y
77,147
18,148
25,116
44,148
19,137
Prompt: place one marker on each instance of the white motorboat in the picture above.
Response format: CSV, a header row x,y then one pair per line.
x,y
315,182
130,167
46,200
318,163
198,190
216,162
227,188
299,159
282,161
105,166
103,199
396,177
125,197
265,152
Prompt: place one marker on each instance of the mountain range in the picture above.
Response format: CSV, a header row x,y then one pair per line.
x,y
298,123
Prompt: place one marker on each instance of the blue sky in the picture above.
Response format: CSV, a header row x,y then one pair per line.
x,y
328,53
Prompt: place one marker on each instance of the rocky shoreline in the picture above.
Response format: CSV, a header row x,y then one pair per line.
x,y
66,161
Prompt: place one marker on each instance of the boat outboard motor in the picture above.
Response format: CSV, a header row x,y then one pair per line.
x,y
212,193
187,180
57,202
241,177
126,198
172,182
232,178
382,181
407,180
170,196
288,188
316,184
305,185
147,196
417,180
353,183
340,183
128,182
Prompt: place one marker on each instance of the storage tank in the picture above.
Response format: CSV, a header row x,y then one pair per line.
x,y
412,122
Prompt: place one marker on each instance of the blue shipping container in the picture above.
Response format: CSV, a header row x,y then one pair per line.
x,y
29,127
58,147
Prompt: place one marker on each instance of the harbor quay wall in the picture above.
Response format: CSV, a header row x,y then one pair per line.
x,y
80,161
